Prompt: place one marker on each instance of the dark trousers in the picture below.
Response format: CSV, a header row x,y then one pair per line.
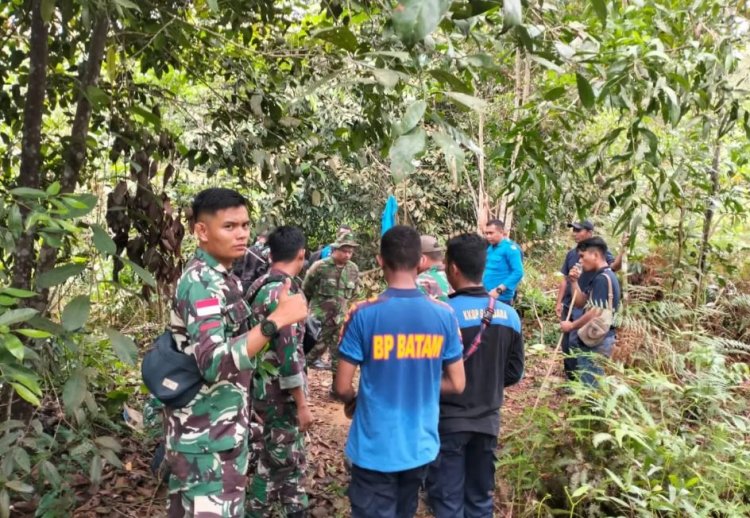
x,y
569,360
374,494
461,481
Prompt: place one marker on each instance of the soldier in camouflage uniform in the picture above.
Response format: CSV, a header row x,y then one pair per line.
x,y
279,389
329,285
432,280
206,440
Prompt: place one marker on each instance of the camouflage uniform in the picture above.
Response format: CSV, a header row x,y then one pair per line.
x,y
329,288
434,283
279,477
207,439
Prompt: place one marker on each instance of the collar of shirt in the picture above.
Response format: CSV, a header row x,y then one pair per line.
x,y
436,268
400,292
210,261
473,291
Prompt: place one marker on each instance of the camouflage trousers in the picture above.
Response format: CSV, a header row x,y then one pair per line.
x,y
208,485
329,340
279,479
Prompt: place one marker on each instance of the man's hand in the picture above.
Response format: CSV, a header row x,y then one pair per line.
x,y
291,308
304,418
566,326
493,293
575,273
350,407
558,310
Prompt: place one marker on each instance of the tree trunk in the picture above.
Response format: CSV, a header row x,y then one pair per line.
x,y
75,154
30,175
707,220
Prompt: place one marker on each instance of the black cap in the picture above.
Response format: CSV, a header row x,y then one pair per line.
x,y
593,242
582,225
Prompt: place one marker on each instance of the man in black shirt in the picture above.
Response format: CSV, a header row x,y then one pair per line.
x,y
461,481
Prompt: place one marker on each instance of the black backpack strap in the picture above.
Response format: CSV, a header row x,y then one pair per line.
x,y
271,278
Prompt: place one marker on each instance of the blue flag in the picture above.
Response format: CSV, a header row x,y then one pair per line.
x,y
388,219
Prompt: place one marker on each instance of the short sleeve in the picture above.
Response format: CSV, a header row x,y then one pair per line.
x,y
567,266
352,345
609,257
454,348
599,291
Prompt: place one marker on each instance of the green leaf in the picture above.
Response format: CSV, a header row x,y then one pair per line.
x,y
140,272
58,275
213,5
449,79
50,473
47,9
547,64
342,37
14,316
74,391
124,346
18,486
25,393
511,14
76,313
385,77
600,7
415,19
127,4
13,345
316,198
53,189
147,115
4,503
403,151
22,459
102,241
95,471
96,95
33,333
454,154
411,117
80,204
554,93
108,442
474,103
585,92
28,192
581,491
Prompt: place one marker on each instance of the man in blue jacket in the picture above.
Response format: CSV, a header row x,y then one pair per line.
x,y
504,269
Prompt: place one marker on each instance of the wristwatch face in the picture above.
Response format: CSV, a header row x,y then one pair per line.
x,y
268,328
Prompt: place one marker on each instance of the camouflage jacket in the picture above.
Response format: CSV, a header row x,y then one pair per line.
x,y
329,288
434,283
284,354
209,320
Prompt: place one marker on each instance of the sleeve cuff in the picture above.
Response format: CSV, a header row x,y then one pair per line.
x,y
448,361
238,348
349,359
291,382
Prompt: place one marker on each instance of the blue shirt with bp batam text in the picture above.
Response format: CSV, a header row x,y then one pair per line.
x,y
401,340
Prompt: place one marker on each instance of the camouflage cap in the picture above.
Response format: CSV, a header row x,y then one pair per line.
x,y
346,240
430,244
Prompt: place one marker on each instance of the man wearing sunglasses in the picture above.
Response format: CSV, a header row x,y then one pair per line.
x,y
581,230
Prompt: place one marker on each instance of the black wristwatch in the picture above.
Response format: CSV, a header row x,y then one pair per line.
x,y
269,329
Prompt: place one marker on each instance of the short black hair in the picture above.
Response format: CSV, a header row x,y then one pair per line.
x,y
469,253
593,242
497,223
210,201
401,248
285,242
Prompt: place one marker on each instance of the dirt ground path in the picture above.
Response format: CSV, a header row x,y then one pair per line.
x,y
132,492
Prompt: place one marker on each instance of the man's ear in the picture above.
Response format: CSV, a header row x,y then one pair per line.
x,y
301,255
201,231
379,260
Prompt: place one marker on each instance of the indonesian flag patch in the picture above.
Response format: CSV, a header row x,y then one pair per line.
x,y
207,307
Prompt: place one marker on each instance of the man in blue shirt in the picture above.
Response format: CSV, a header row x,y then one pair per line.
x,y
408,349
582,230
461,482
504,268
592,298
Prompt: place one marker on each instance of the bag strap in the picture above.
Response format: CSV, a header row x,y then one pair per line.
x,y
610,293
489,312
271,278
